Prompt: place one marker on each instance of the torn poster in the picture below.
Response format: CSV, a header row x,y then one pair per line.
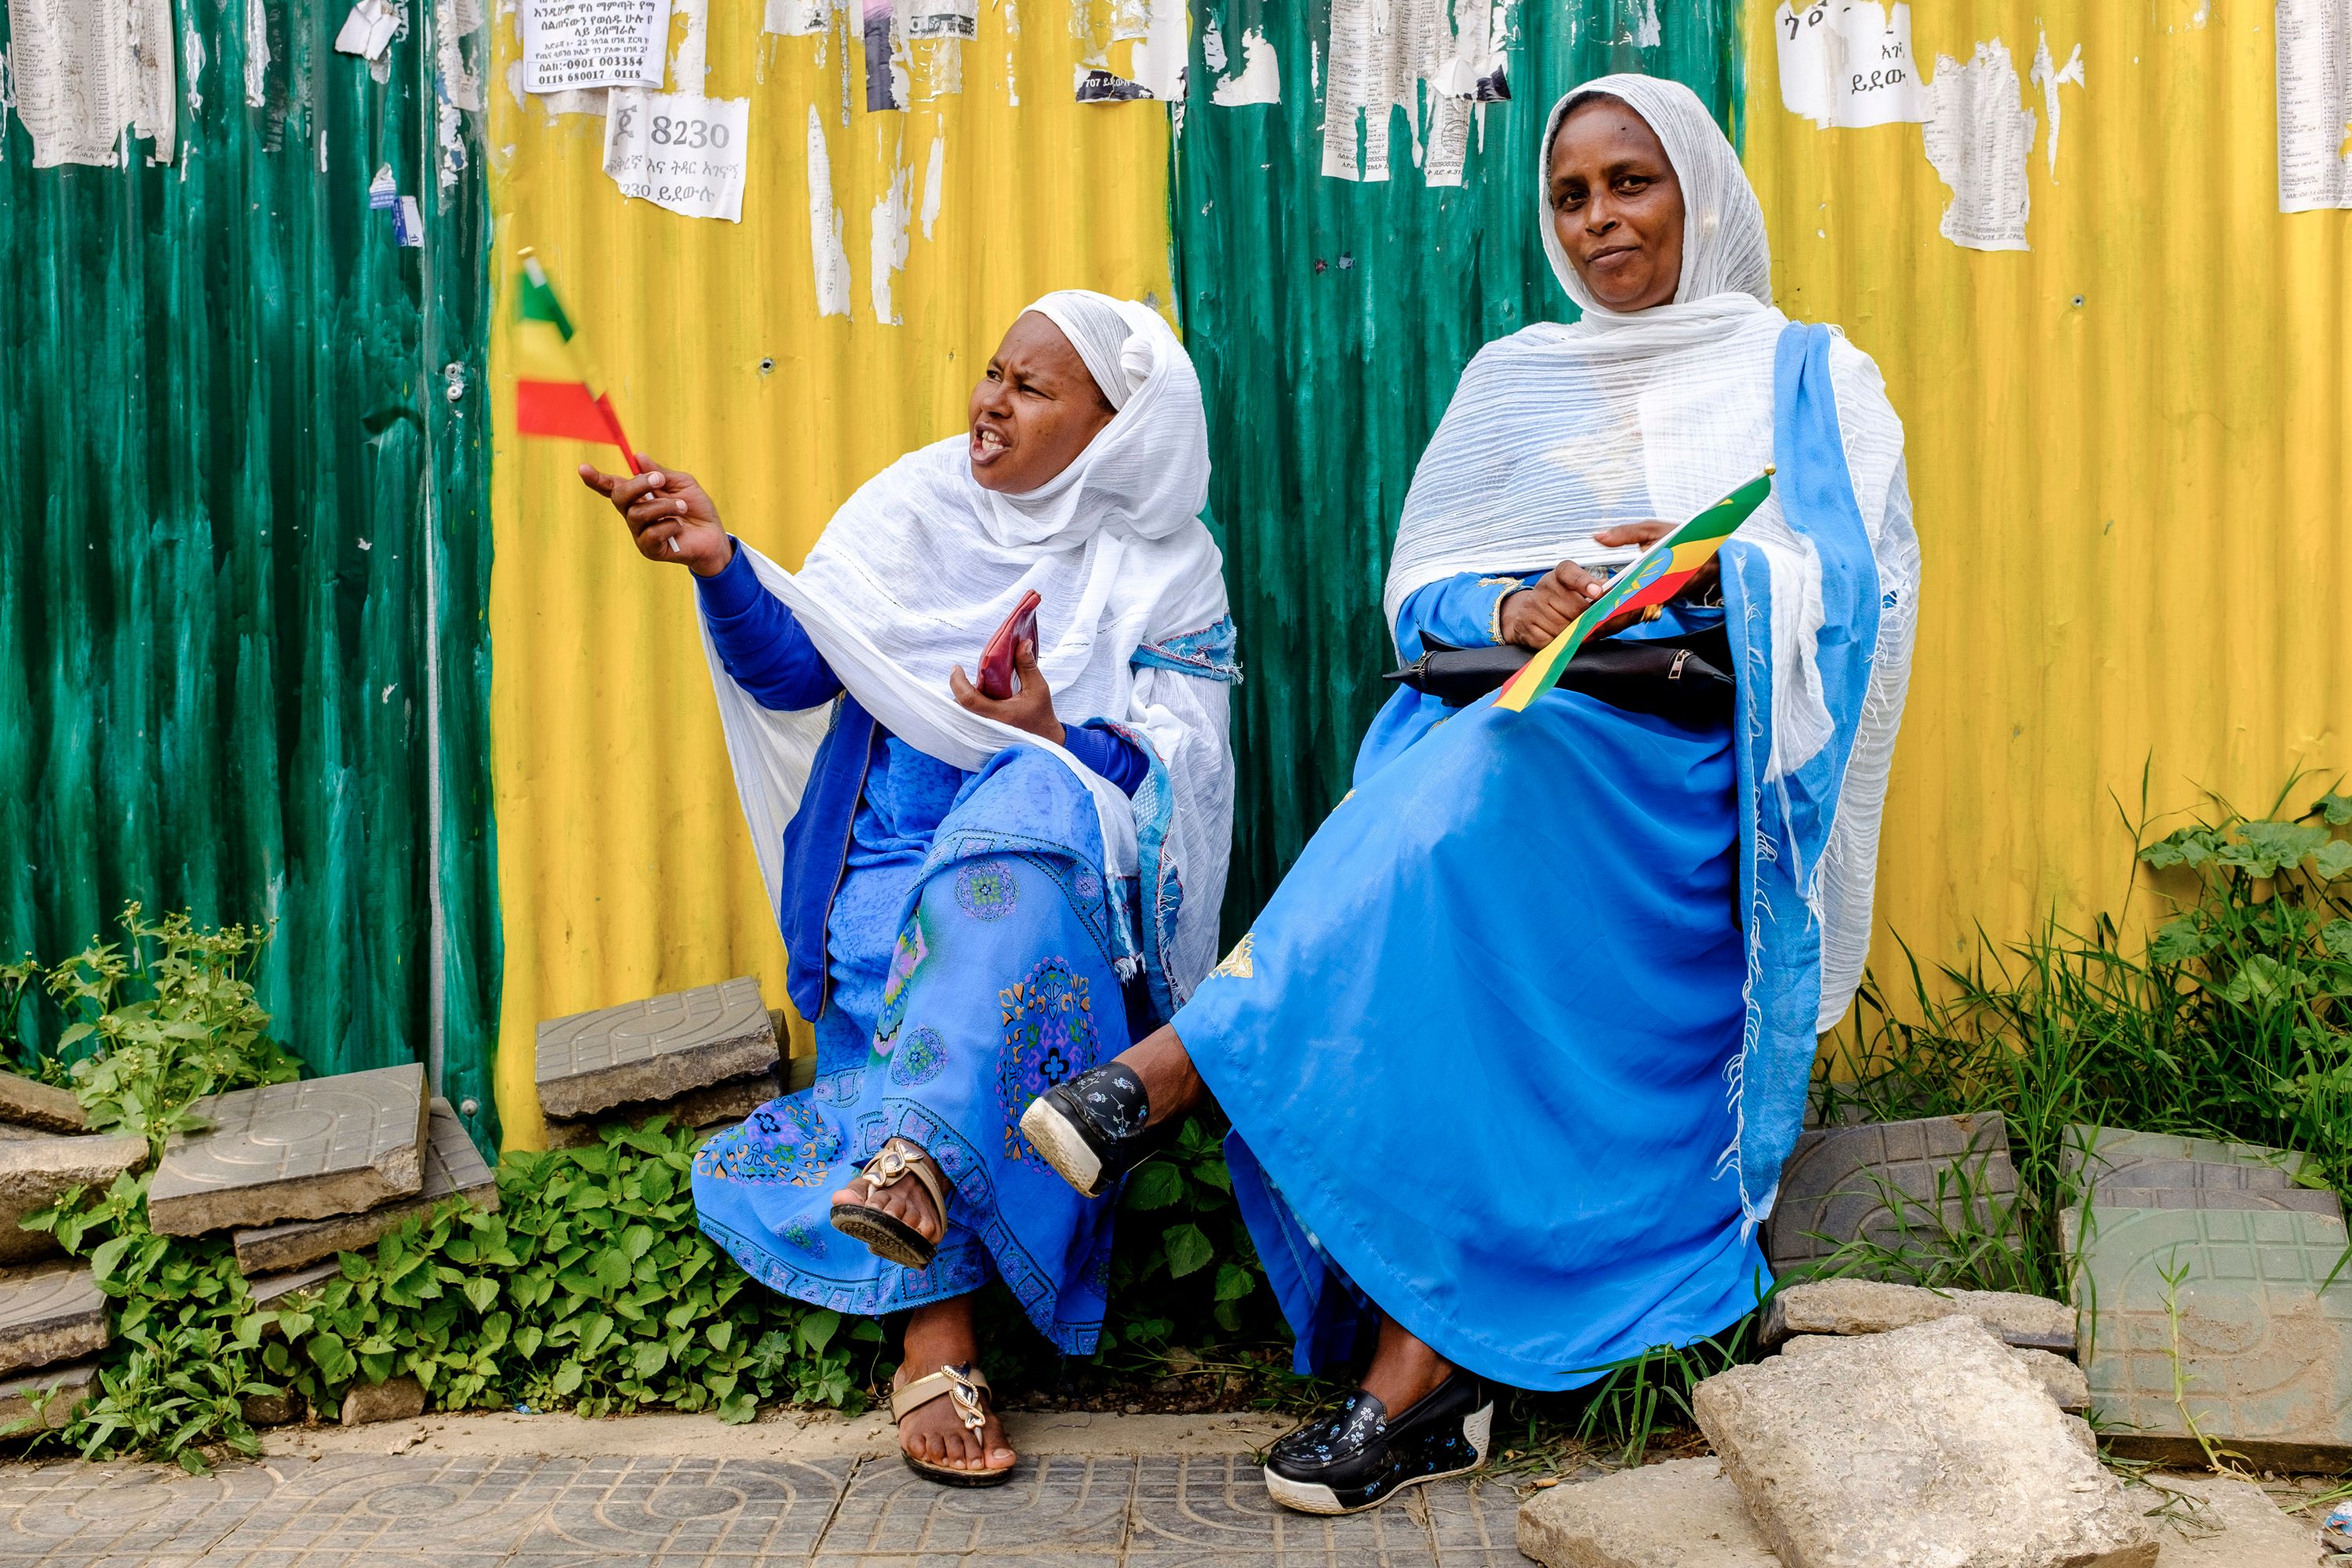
x,y
2049,76
383,191
1258,81
368,30
408,224
679,150
2315,104
257,53
1848,65
456,80
593,43
943,19
1979,137
888,244
798,18
83,69
886,57
828,256
1378,54
1155,68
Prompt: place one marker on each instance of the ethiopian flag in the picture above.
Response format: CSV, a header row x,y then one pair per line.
x,y
1656,576
553,393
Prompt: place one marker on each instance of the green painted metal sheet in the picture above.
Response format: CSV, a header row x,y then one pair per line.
x,y
1330,319
229,586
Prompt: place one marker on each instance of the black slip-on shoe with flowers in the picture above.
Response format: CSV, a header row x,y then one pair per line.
x,y
1092,1130
1358,1457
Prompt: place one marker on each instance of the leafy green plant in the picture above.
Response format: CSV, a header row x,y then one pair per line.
x,y
1184,1271
156,1022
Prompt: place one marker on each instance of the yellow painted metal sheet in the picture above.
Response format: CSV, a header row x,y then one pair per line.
x,y
624,865
2127,449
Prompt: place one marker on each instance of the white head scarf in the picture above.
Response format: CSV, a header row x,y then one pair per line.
x,y
1558,432
921,566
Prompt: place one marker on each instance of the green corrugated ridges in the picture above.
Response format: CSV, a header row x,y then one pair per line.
x,y
1329,321
213,603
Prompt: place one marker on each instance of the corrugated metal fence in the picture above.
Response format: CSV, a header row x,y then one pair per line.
x,y
244,522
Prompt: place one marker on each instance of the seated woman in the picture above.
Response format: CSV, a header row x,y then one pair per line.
x,y
979,897
1515,1054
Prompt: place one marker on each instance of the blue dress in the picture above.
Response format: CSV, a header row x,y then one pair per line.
x,y
970,965
1475,1049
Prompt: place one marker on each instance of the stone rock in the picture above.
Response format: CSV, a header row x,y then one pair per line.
x,y
1947,1174
2223,1522
50,1314
271,1410
295,1151
1921,1445
394,1399
35,1171
719,1105
67,1387
453,1168
28,1103
1873,1307
2263,1338
2162,1171
2060,1377
655,1049
1679,1514
269,1289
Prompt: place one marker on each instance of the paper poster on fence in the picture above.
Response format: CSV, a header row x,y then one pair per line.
x,y
679,150
568,44
2315,104
1848,64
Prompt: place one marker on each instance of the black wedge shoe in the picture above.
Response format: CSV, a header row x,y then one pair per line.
x,y
1358,1459
1092,1128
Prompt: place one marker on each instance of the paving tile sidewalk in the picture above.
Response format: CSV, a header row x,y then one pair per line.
x,y
507,1510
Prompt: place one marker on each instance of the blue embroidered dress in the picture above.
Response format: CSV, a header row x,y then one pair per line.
x,y
969,962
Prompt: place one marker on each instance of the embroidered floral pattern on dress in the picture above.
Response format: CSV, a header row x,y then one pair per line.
x,y
798,1231
921,1057
986,890
905,959
1049,1037
784,1141
1241,964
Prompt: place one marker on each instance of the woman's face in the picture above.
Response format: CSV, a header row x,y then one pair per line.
x,y
1616,206
1036,409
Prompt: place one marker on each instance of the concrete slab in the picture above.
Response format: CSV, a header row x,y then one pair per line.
x,y
453,1168
721,1104
2265,1351
1928,1444
2163,1171
1951,1172
269,1289
295,1151
50,1314
2060,1378
36,1172
66,1386
2218,1522
28,1103
654,1049
1873,1307
1683,1514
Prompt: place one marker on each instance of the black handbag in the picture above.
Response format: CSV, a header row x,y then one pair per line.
x,y
1686,678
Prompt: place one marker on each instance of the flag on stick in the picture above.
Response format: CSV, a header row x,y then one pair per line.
x,y
553,393
1656,576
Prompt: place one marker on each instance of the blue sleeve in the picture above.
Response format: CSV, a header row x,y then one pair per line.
x,y
1463,611
761,643
1108,753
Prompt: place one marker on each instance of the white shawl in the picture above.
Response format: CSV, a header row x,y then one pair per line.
x,y
921,566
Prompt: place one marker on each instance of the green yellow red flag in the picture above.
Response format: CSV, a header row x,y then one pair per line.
x,y
553,392
1656,576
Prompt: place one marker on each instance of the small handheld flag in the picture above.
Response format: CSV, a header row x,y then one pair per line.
x,y
553,396
1656,576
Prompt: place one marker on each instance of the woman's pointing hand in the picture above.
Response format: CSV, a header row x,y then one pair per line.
x,y
670,515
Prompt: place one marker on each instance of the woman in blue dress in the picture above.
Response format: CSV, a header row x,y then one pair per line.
x,y
981,897
1514,1055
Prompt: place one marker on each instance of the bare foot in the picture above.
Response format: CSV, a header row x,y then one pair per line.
x,y
1404,1371
907,1200
941,1335
1170,1085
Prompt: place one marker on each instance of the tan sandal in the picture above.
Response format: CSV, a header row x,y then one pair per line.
x,y
886,1235
966,1385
